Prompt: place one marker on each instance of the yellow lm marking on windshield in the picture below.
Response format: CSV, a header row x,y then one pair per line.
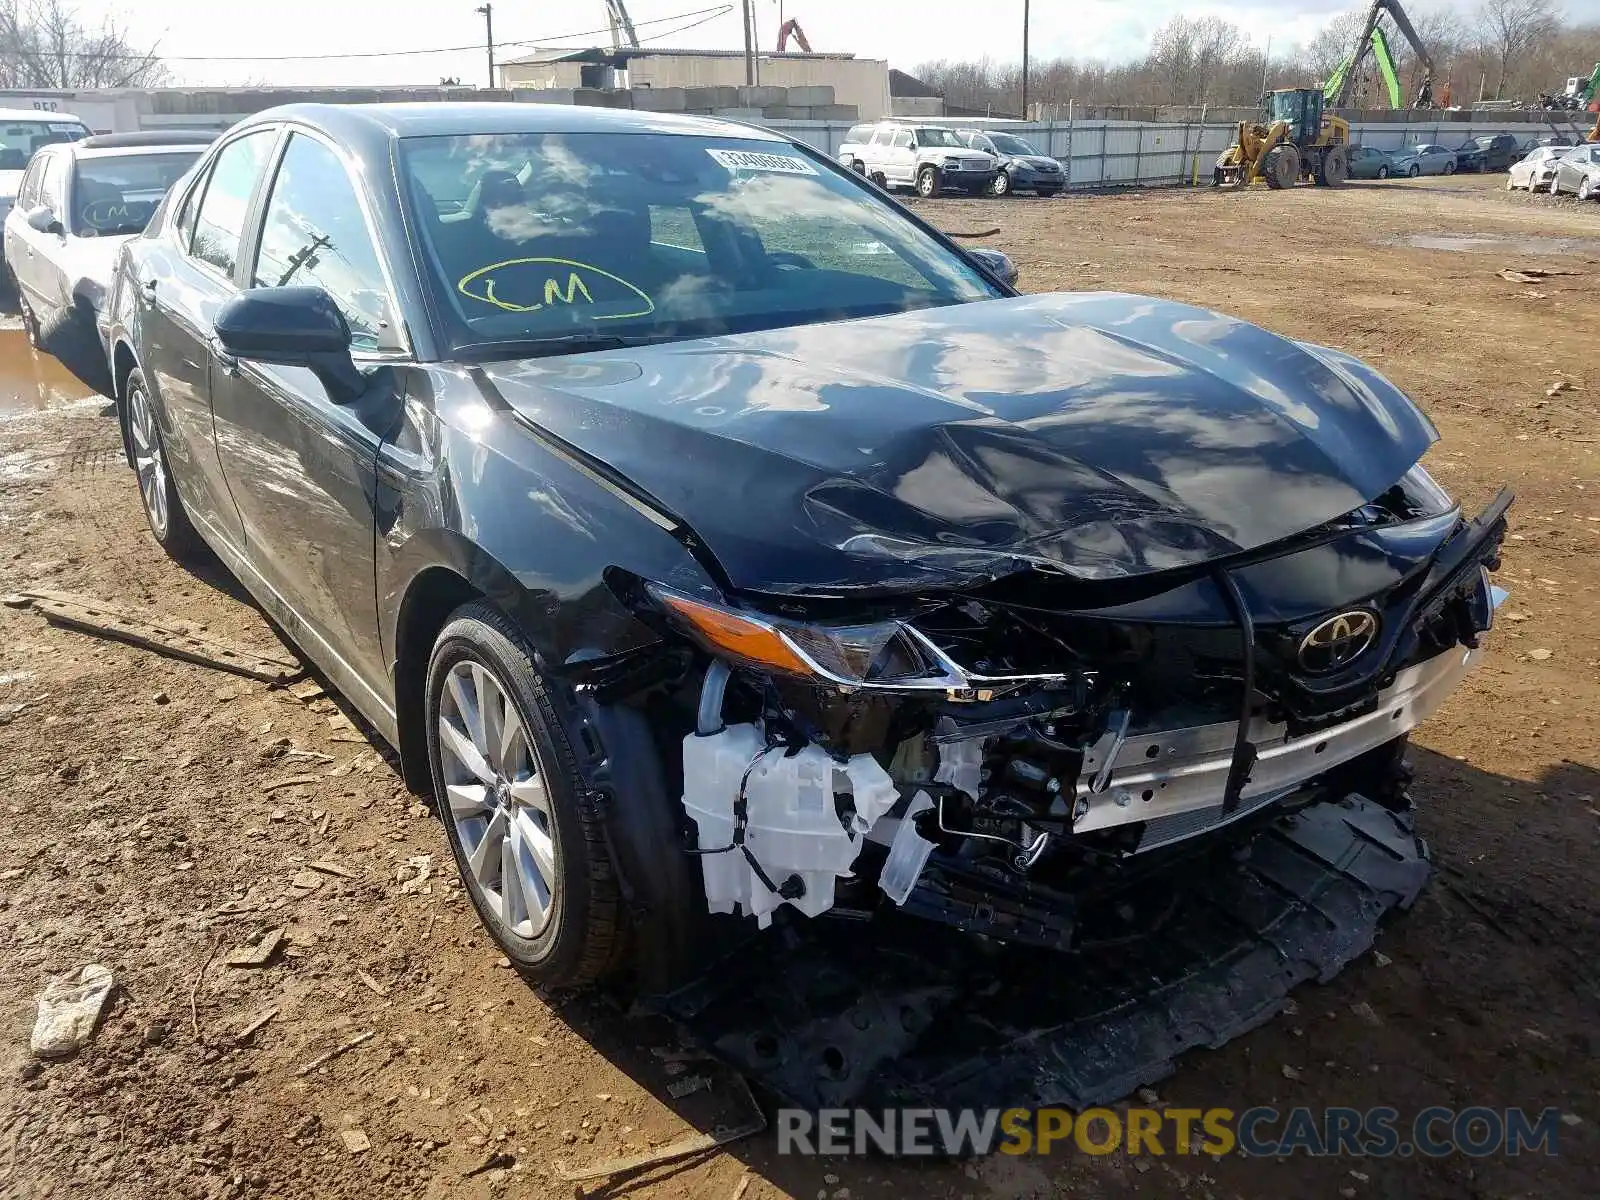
x,y
557,281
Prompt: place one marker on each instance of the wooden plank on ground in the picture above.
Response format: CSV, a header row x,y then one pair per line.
x,y
107,620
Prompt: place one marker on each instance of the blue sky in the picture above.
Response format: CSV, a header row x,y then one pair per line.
x,y
906,32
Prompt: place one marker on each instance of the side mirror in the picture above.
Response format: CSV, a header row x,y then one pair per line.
x,y
912,146
42,220
293,327
997,264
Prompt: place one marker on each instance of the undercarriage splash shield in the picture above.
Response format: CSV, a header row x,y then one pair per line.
x,y
894,1012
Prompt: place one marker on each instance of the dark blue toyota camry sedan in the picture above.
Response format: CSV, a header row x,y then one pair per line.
x,y
718,542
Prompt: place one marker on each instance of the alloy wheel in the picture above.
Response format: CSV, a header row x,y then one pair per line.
x,y
495,797
148,461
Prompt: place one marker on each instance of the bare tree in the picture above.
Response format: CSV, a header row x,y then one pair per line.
x,y
46,45
1511,28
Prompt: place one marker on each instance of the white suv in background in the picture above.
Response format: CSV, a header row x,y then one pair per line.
x,y
928,158
22,133
77,204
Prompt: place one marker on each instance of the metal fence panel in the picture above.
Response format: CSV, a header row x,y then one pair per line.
x,y
1102,153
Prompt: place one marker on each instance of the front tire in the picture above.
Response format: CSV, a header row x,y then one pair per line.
x,y
1383,172
1449,168
1001,185
928,182
1414,171
526,834
1585,192
169,523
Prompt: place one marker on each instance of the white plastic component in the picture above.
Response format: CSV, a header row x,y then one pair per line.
x,y
959,764
792,827
908,853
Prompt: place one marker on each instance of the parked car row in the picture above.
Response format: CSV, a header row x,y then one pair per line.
x,y
1558,169
932,159
77,200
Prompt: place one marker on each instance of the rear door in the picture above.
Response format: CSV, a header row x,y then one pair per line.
x,y
186,279
300,467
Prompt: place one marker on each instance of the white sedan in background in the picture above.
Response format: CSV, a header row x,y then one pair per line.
x,y
1536,170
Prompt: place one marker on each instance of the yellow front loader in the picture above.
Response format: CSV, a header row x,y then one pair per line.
x,y
1296,141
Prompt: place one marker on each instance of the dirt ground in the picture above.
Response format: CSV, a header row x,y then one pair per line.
x,y
159,815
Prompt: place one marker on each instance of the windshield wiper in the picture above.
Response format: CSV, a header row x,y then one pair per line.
x,y
564,343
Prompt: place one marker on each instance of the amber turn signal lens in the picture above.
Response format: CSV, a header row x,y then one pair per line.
x,y
736,636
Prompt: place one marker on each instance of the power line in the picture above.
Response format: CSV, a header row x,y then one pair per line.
x,y
153,55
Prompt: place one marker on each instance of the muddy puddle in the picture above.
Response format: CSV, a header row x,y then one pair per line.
x,y
1467,243
33,382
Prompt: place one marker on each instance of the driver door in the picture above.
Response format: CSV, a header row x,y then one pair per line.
x,y
302,469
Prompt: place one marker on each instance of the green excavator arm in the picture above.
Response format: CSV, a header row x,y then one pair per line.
x,y
1385,61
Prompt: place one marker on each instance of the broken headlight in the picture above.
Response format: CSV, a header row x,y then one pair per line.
x,y
886,654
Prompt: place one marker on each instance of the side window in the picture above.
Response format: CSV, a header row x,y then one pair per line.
x,y
902,139
314,234
882,136
28,192
185,222
219,220
859,135
50,192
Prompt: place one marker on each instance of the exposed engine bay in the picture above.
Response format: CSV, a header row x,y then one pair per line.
x,y
996,760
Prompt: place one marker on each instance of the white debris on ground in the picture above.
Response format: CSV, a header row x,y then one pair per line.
x,y
69,1010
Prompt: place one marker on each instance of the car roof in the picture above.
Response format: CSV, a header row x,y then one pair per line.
x,y
372,126
36,114
79,151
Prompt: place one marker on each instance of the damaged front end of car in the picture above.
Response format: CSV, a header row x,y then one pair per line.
x,y
999,758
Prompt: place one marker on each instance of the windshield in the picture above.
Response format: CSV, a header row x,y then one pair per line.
x,y
1008,144
118,194
543,236
19,139
938,137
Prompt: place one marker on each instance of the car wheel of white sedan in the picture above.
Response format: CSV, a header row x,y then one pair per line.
x,y
1584,190
1511,183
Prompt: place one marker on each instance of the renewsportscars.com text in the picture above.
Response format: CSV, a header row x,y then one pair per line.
x,y
1254,1132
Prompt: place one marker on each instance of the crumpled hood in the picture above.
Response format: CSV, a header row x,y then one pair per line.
x,y
1099,435
1036,162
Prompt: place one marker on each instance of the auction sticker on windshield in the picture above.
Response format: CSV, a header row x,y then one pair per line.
x,y
749,160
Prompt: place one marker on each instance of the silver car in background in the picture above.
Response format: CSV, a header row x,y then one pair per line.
x,y
1424,160
77,203
1536,170
1577,171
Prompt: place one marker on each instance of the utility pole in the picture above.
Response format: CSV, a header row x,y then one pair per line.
x,y
749,44
488,36
1266,63
1025,23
